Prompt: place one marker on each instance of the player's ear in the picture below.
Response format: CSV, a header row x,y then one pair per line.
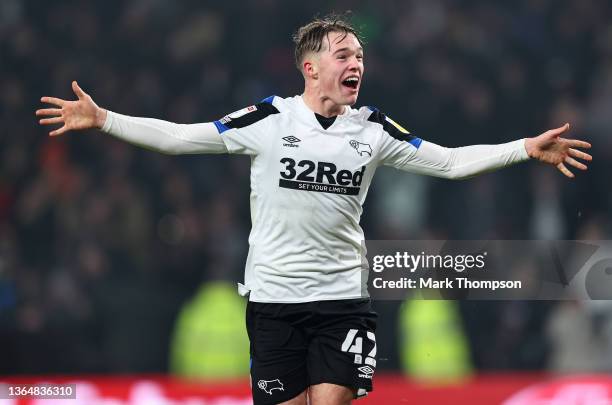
x,y
310,68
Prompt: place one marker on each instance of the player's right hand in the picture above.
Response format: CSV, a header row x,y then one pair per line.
x,y
83,113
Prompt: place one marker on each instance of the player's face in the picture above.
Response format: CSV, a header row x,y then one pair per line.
x,y
341,68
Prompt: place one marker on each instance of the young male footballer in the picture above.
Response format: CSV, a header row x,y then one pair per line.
x,y
313,156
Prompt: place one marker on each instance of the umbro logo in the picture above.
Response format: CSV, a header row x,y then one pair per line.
x,y
367,371
291,141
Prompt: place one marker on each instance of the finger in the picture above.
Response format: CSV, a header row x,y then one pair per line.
x,y
573,162
54,120
49,111
565,171
58,131
77,90
575,143
53,100
579,154
557,131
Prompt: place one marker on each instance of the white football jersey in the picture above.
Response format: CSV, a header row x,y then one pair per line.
x,y
308,185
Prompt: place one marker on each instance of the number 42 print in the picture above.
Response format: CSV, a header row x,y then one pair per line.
x,y
354,344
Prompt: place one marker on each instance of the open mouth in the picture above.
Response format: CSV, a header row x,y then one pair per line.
x,y
351,82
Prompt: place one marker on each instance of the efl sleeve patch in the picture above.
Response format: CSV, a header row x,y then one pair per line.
x,y
245,117
239,113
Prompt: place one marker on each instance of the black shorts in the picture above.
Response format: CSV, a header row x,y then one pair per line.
x,y
294,346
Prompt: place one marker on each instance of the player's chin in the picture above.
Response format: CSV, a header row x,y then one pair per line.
x,y
346,95
351,98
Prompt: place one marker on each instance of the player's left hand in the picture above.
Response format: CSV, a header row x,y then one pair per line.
x,y
550,148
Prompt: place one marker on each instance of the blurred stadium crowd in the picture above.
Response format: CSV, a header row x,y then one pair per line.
x,y
101,243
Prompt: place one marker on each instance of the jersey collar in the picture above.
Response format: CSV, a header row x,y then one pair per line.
x,y
310,115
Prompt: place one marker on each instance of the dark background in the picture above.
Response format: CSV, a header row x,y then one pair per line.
x,y
101,243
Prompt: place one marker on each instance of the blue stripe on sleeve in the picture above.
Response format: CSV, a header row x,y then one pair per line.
x,y
221,127
268,100
416,142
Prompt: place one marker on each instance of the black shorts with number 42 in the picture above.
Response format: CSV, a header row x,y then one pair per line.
x,y
294,346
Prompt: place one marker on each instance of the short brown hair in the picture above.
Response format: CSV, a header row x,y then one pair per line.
x,y
309,38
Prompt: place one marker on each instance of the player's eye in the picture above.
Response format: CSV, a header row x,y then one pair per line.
x,y
342,57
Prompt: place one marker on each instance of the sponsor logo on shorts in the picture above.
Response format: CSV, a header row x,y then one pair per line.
x,y
269,386
366,371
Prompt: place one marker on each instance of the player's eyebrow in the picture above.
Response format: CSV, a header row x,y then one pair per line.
x,y
360,49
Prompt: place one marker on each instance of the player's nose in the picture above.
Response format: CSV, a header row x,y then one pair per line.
x,y
355,64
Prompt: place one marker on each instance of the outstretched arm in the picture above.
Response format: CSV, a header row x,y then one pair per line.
x,y
464,162
470,161
158,135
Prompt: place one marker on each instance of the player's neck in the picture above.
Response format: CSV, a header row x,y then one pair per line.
x,y
322,105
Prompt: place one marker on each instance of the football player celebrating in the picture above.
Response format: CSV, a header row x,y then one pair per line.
x,y
313,157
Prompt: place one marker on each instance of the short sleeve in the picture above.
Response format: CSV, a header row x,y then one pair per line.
x,y
245,131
